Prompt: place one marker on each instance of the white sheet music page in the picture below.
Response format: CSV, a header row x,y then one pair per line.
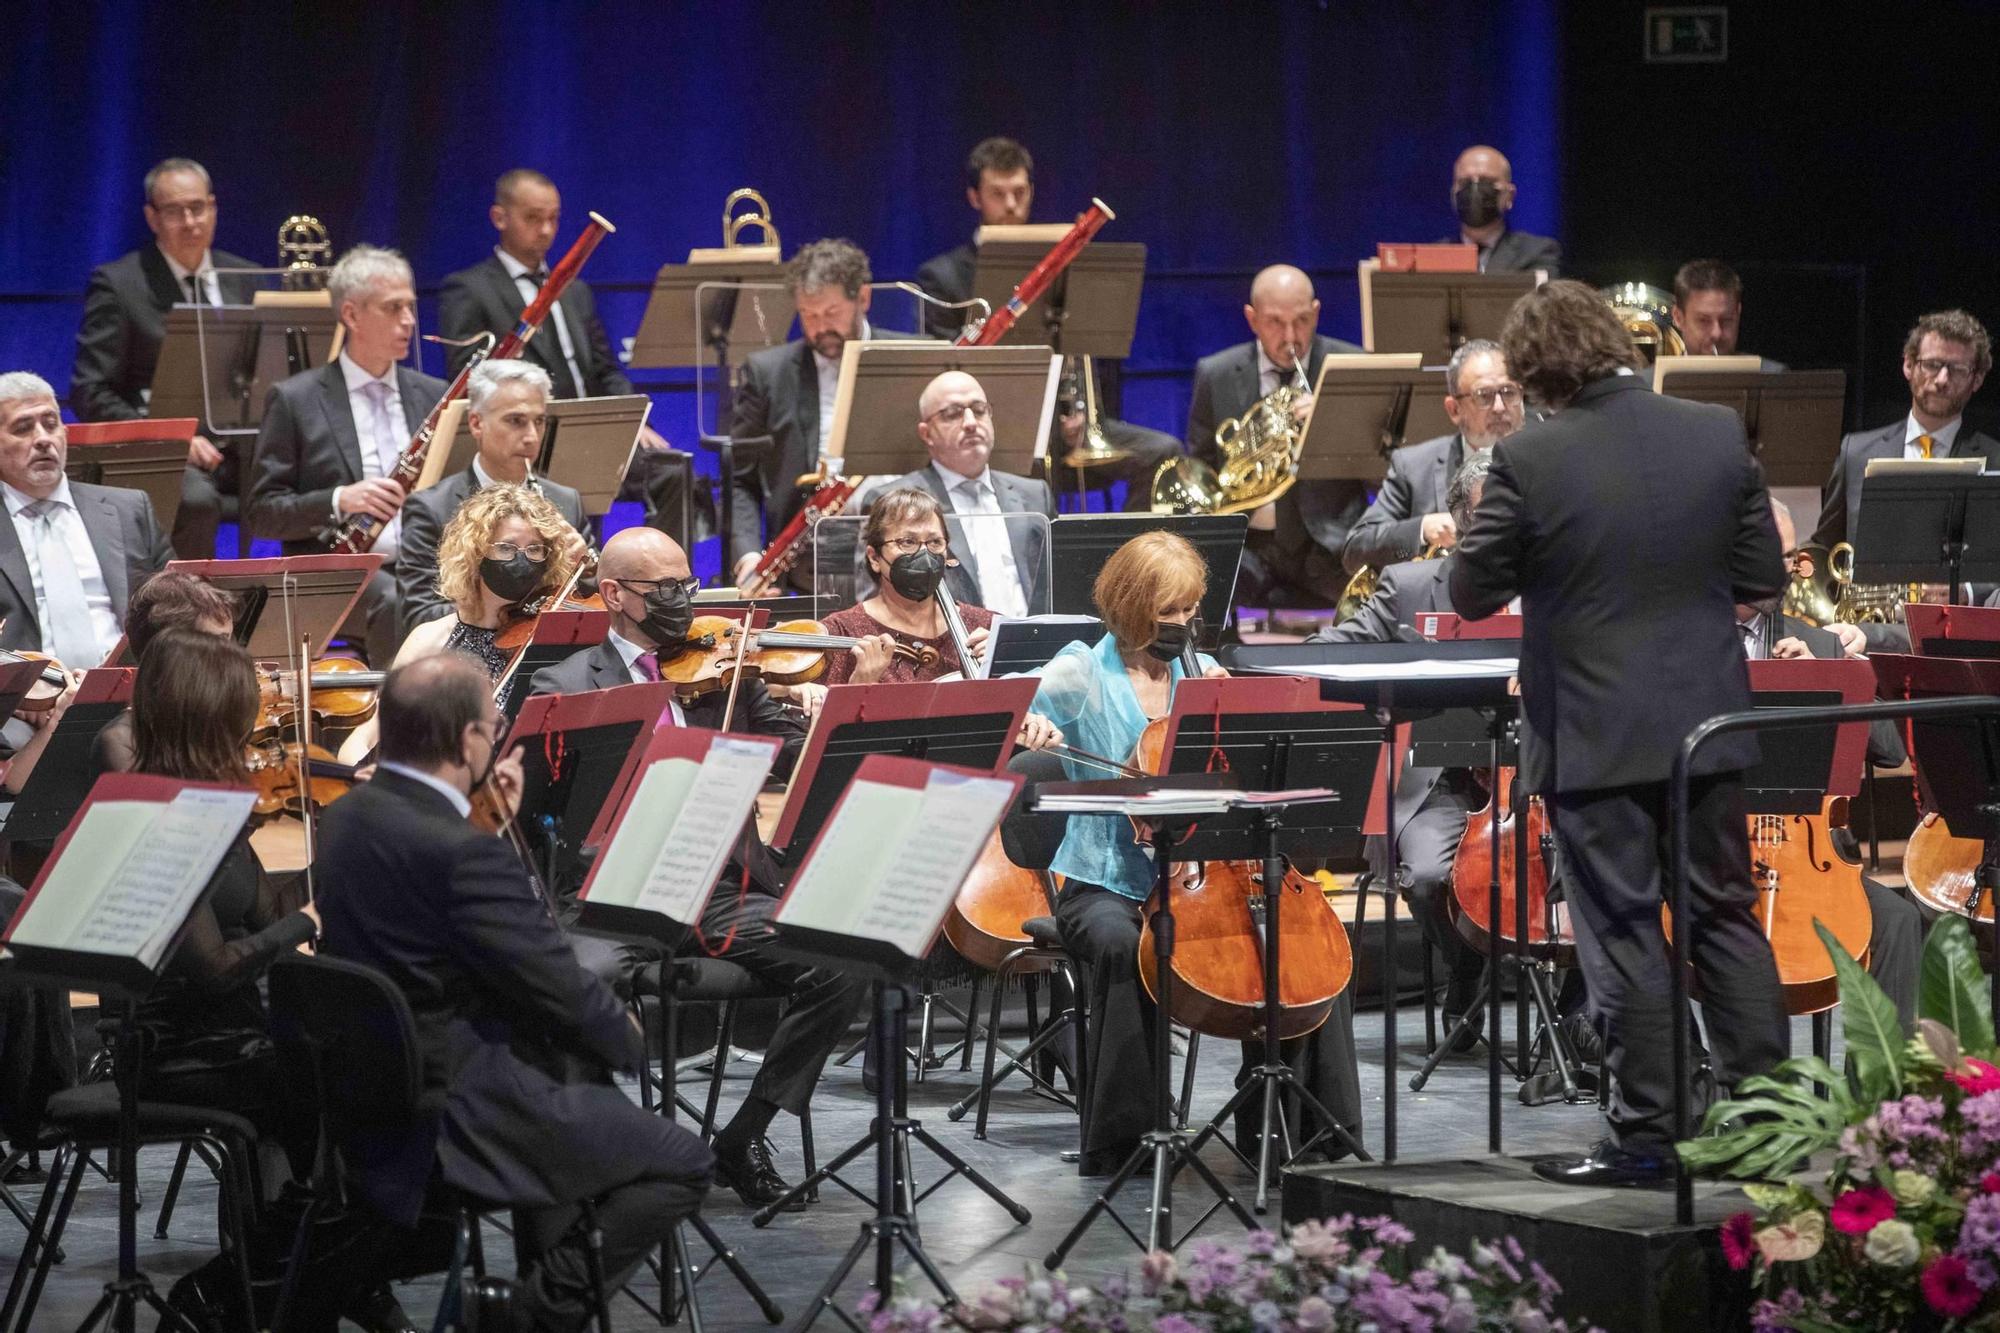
x,y
955,816
706,827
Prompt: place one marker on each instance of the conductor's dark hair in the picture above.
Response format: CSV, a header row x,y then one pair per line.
x,y
1953,326
1706,275
999,155
173,600
1560,337
427,705
503,189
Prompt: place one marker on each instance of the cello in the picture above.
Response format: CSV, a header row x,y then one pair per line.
x,y
1472,874
1943,870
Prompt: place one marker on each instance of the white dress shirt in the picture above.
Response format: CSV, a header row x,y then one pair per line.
x,y
211,286
68,523
458,799
1941,438
381,443
525,282
1000,589
485,478
631,652
1269,378
829,388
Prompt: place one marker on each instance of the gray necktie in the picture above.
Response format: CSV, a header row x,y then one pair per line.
x,y
68,633
387,446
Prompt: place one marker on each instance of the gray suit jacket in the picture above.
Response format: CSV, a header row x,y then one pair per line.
x,y
425,514
1017,495
1519,252
1840,498
1392,529
308,445
130,549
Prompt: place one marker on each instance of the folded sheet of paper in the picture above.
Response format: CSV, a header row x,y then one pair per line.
x,y
677,832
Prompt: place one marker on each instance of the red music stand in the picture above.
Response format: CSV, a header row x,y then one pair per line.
x,y
1449,626
322,591
1953,631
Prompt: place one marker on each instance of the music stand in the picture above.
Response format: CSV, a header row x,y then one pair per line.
x,y
1364,408
557,636
918,861
1791,417
148,454
578,753
218,363
597,435
283,599
715,306
1434,314
1016,647
63,775
1079,544
874,429
1953,631
1090,310
1923,518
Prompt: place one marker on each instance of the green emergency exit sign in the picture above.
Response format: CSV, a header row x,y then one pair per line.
x,y
1687,34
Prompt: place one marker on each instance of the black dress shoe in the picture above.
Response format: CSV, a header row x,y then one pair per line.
x,y
379,1311
749,1172
488,1305
1609,1164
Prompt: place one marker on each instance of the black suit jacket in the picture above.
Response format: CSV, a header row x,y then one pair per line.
x,y
1518,252
130,548
308,445
1225,386
503,1011
1840,498
1630,524
125,321
600,668
425,514
1016,495
483,299
1393,528
949,278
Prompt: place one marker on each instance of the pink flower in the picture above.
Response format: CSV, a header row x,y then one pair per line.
x,y
1737,1245
1990,1183
1975,1076
1949,1289
1857,1212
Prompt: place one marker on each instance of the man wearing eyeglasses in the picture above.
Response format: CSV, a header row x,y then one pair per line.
x,y
507,412
1945,359
1409,515
124,323
1002,564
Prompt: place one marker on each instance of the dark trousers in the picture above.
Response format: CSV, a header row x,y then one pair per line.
x,y
663,479
1615,853
200,513
1427,847
1895,947
377,619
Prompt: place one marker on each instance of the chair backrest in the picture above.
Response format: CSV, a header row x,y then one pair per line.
x,y
1031,840
354,1025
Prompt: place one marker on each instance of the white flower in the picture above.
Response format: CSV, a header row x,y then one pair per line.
x,y
1912,1187
1892,1244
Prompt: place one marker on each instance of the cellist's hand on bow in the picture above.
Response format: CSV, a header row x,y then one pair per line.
x,y
506,782
975,643
1038,733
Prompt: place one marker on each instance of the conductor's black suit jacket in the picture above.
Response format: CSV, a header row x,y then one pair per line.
x,y
509,1027
125,321
1630,524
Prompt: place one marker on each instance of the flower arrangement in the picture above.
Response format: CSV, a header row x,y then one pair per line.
x,y
1324,1277
1903,1230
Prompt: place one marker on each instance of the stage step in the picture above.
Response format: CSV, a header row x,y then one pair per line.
x,y
1622,1262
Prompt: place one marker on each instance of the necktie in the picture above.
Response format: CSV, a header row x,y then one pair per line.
x,y
192,283
1924,446
647,665
383,428
68,633
992,552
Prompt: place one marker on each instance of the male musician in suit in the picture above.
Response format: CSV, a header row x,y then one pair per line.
x,y
571,346
1945,360
331,436
1002,565
648,589
504,1014
506,410
1293,551
1482,194
787,393
124,322
1410,515
1708,310
1630,525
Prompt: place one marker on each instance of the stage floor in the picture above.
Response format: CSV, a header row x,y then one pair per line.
x,y
970,1237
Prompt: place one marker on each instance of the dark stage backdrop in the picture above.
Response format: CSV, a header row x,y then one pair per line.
x,y
1226,136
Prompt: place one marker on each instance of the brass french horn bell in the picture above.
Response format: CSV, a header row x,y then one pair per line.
x,y
758,215
1648,315
1813,595
305,250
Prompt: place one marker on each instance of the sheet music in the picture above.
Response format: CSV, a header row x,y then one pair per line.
x,y
872,819
625,865
954,819
710,818
1424,668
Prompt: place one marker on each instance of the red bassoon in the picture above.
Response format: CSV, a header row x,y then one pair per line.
x,y
357,532
831,495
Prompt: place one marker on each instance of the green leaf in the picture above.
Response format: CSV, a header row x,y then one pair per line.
x,y
1952,987
1779,1122
1868,1022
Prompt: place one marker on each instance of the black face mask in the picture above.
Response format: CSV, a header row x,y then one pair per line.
x,y
917,575
669,614
1477,202
512,579
1170,640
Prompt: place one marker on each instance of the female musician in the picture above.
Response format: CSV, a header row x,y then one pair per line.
x,y
906,548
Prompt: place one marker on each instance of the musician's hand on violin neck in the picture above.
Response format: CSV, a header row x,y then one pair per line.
x,y
872,655
377,497
1038,733
574,544
975,643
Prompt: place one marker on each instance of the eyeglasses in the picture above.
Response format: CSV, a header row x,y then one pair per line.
x,y
905,545
688,586
194,212
954,413
535,551
1933,369
1492,398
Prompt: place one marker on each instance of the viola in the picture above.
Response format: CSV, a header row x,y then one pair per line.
x,y
1218,956
48,687
343,693
275,771
1943,869
788,654
1472,873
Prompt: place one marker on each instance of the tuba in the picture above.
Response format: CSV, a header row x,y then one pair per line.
x,y
304,249
1259,453
1078,392
1647,314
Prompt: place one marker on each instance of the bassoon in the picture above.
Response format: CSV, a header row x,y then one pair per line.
x,y
832,494
357,532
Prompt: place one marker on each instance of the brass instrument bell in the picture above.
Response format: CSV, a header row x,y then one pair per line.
x,y
1079,391
1648,315
759,216
305,250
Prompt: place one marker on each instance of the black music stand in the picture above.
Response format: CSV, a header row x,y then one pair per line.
x,y
1365,407
557,636
1792,418
63,775
1017,646
282,599
1079,544
1919,521
1091,309
578,752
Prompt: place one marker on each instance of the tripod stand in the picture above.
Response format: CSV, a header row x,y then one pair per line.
x,y
895,1220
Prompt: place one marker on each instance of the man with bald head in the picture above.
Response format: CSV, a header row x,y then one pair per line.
x,y
1002,564
1482,194
1292,557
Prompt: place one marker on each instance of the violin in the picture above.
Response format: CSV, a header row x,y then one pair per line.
x,y
788,654
343,693
1943,869
48,686
1472,874
274,770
